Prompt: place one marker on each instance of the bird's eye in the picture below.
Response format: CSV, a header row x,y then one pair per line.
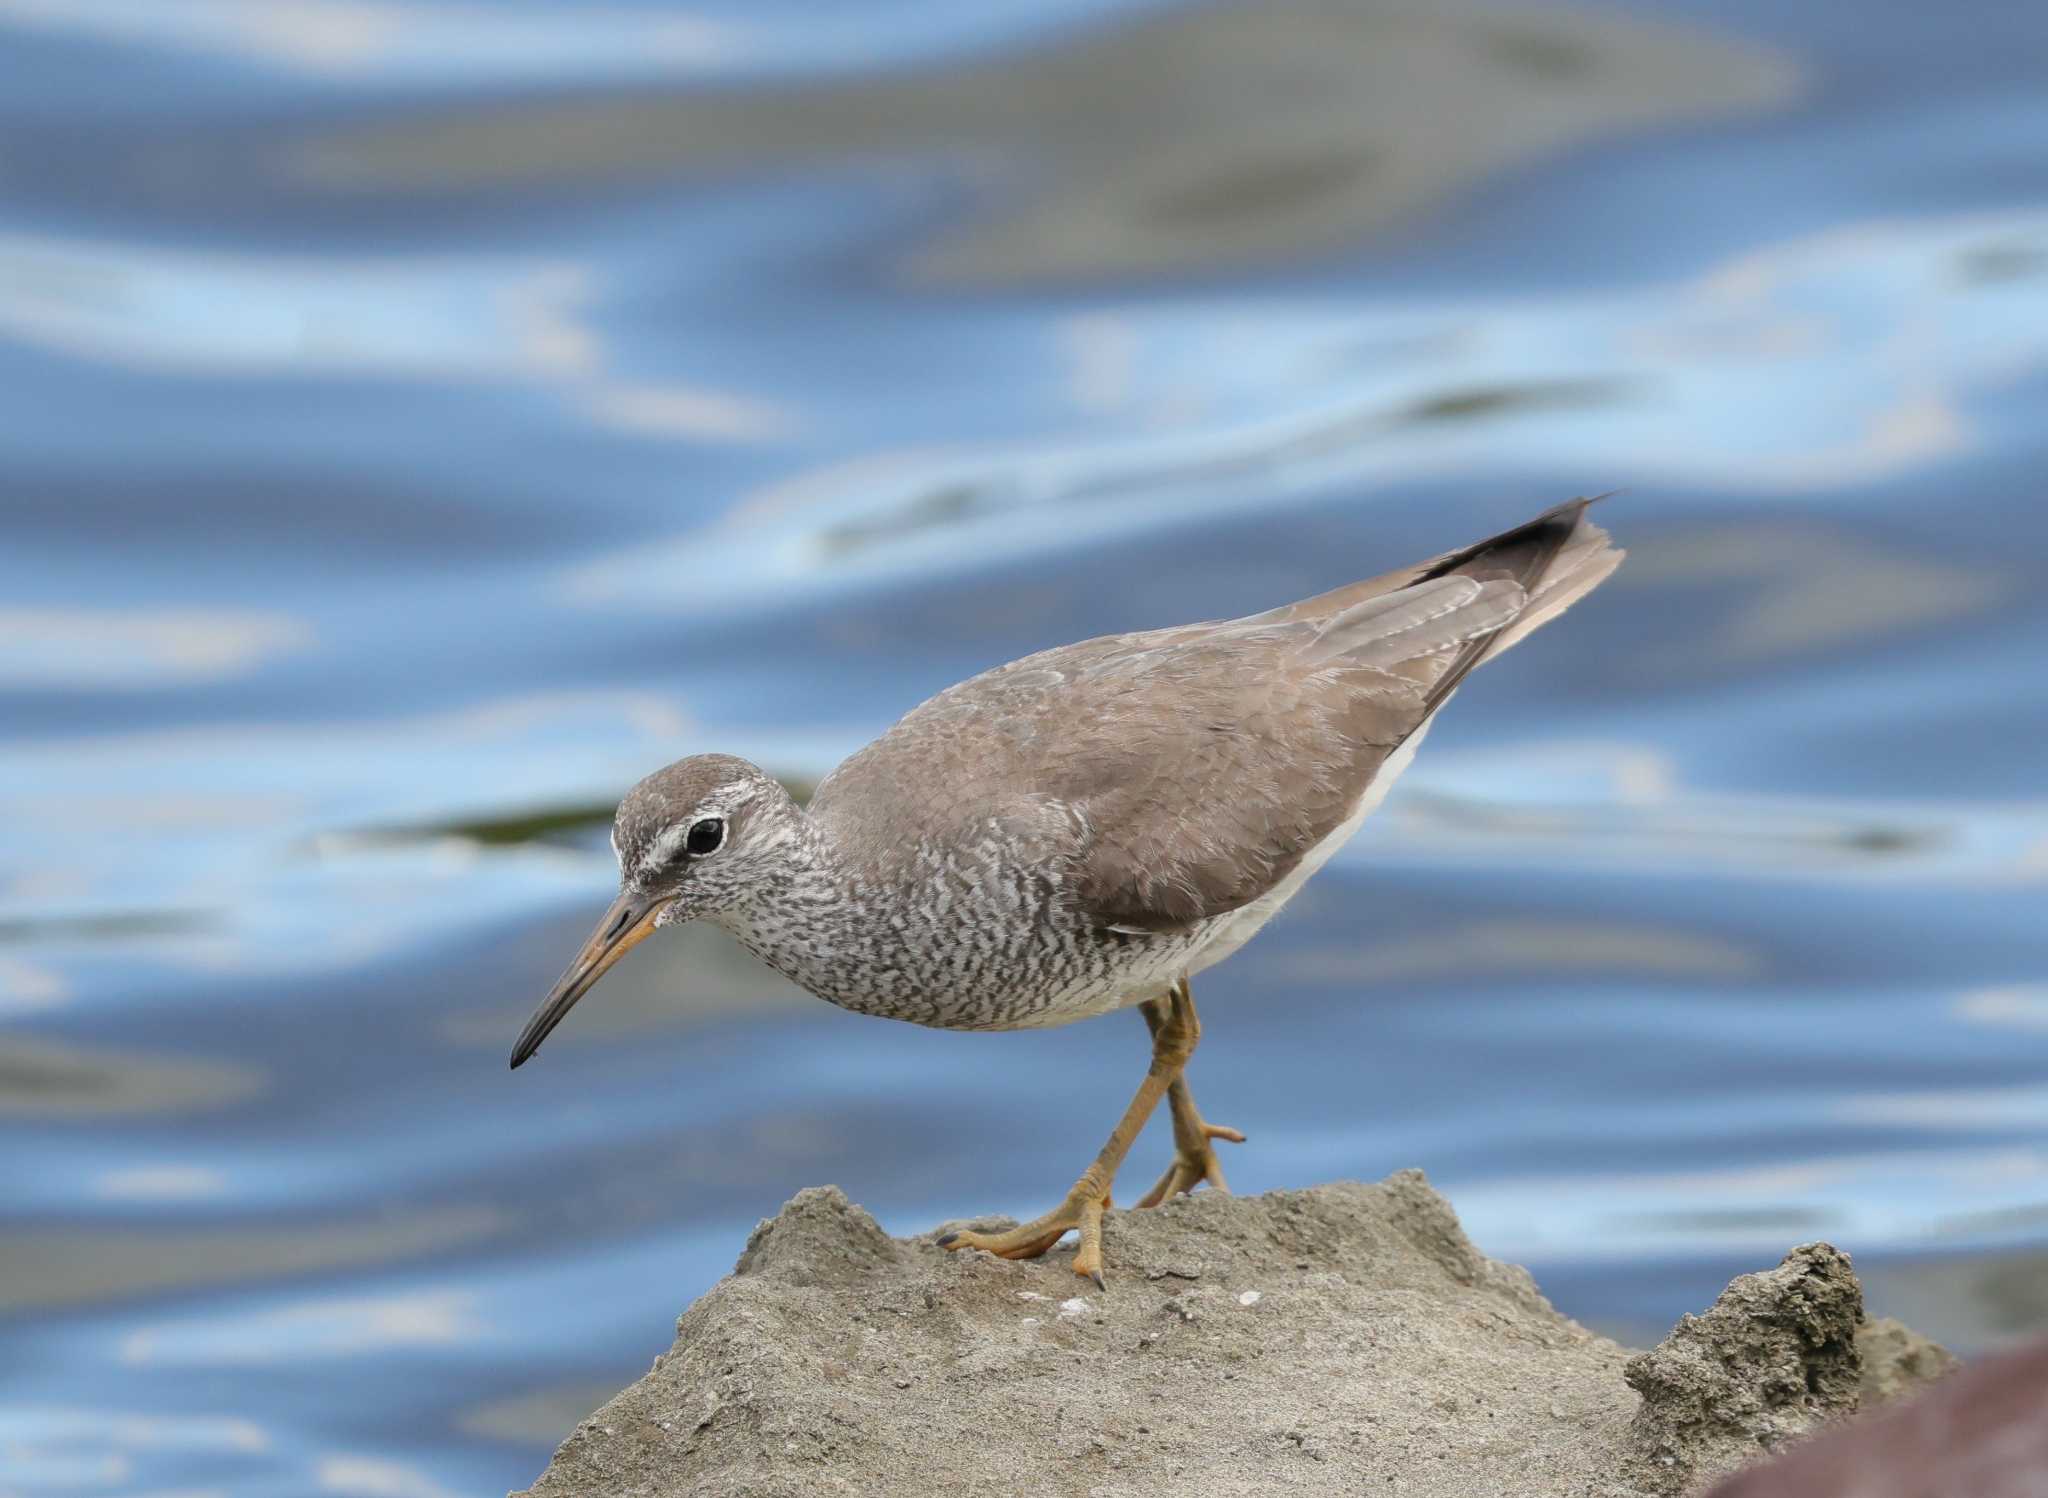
x,y
705,836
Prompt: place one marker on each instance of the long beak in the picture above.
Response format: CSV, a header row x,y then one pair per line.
x,y
629,922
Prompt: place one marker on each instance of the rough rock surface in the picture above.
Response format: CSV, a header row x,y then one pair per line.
x,y
1774,1358
1897,1359
1344,1339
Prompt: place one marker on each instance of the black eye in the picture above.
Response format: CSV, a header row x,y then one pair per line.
x,y
705,836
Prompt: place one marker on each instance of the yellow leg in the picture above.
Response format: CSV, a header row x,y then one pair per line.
x,y
1194,1153
1173,1041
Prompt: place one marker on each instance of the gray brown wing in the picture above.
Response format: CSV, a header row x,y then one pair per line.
x,y
1180,774
1348,677
1203,804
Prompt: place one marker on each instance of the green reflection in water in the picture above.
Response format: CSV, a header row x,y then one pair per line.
x,y
73,1266
1177,141
1510,400
566,822
112,925
45,1079
1995,264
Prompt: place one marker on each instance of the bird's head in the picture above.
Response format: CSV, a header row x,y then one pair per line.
x,y
694,839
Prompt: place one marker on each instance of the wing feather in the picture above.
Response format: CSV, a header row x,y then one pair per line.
x,y
1180,774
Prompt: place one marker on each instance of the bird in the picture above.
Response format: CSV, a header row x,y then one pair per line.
x,y
1084,829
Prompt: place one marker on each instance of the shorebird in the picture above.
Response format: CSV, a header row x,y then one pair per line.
x,y
1084,829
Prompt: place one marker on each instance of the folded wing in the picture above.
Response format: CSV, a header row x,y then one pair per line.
x,y
1270,730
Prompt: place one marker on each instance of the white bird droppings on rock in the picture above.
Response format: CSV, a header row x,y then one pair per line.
x,y
1249,1298
1075,1307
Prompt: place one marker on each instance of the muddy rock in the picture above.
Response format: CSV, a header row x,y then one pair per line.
x,y
1774,1358
1343,1339
1897,1359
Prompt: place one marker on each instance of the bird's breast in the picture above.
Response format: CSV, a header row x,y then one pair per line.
x,y
989,949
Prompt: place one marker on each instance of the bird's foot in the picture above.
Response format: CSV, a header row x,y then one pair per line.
x,y
1194,1160
1082,1210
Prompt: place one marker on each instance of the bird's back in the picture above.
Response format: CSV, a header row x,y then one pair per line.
x,y
1156,782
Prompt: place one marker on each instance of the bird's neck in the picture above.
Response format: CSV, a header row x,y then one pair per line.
x,y
797,922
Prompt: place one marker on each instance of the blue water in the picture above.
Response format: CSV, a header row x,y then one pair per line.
x,y
418,420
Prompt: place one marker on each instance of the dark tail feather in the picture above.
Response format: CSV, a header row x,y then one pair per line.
x,y
1556,559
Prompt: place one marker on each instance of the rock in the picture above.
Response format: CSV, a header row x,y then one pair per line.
x,y
1897,1359
1343,1339
1773,1358
819,1239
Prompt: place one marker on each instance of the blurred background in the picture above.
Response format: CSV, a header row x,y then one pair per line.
x,y
421,418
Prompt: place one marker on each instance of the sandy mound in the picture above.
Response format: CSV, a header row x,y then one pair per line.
x,y
1344,1339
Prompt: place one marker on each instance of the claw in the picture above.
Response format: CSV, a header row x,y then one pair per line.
x,y
1194,1161
1030,1239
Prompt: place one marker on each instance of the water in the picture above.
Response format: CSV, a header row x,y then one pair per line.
x,y
418,420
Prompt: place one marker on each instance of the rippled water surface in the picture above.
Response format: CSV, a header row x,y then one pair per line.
x,y
418,419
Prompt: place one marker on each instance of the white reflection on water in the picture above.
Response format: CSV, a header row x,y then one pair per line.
x,y
395,41
160,1183
27,986
374,1477
686,411
455,44
332,1328
1562,804
2015,1007
451,317
81,1449
1874,1197
216,312
1703,383
29,1424
251,897
1967,1108
141,649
